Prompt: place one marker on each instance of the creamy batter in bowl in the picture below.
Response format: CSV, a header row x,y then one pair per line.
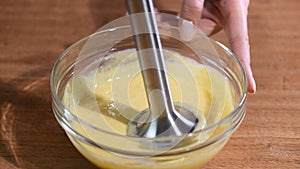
x,y
97,89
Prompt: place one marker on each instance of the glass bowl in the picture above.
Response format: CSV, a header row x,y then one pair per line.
x,y
94,129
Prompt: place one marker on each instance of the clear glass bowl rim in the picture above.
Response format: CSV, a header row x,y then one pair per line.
x,y
62,108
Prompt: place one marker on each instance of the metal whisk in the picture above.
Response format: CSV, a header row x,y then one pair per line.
x,y
162,118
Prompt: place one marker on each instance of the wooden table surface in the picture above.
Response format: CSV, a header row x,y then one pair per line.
x,y
33,33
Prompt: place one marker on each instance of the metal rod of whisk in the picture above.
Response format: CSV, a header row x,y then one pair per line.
x,y
162,119
150,55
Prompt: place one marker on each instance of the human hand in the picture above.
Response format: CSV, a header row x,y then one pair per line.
x,y
211,15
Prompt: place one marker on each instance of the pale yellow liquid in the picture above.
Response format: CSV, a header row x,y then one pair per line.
x,y
110,96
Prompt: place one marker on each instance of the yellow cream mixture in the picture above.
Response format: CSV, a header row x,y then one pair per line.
x,y
109,96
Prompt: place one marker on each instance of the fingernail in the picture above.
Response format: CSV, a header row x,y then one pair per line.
x,y
186,30
253,86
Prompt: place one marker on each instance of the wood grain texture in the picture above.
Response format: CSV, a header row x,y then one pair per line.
x,y
33,33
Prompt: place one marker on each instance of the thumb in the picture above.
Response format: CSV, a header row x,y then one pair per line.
x,y
191,10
